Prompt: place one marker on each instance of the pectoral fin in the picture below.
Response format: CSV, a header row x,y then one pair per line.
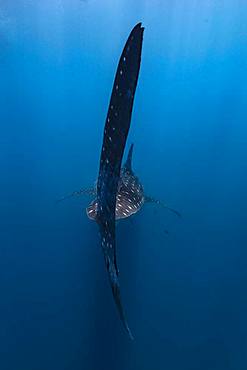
x,y
83,191
156,201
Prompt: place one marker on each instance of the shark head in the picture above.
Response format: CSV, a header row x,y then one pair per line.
x,y
130,195
91,210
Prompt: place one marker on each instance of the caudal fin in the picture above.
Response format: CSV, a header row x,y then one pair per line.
x,y
117,298
115,135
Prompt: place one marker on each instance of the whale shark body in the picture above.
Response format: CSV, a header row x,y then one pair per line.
x,y
130,195
118,193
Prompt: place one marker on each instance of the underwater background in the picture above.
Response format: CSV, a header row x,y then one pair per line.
x,y
183,281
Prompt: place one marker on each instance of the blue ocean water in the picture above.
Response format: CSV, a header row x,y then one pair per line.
x,y
183,281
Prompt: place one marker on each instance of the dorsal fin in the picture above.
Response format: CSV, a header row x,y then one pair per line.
x,y
128,163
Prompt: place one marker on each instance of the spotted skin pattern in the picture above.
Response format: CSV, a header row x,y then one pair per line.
x,y
119,194
130,195
115,135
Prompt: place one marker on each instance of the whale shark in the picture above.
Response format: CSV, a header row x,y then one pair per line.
x,y
118,193
130,196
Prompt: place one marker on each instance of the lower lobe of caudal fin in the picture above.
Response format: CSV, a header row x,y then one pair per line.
x,y
117,298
